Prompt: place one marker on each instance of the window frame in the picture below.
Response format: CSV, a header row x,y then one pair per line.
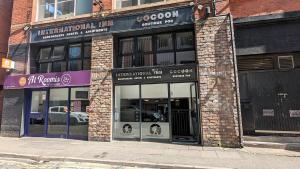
x,y
137,61
55,11
138,4
65,58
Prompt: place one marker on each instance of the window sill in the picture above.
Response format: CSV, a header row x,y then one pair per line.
x,y
60,19
151,5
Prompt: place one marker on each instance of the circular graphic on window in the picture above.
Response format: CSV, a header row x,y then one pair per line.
x,y
127,129
155,129
22,81
66,79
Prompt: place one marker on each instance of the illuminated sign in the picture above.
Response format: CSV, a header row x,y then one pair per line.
x,y
8,64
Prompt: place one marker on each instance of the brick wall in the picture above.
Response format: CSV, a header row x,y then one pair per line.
x,y
218,88
100,109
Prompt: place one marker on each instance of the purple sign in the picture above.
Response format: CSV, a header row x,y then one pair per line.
x,y
61,79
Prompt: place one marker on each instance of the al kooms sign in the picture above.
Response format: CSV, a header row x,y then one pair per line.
x,y
115,24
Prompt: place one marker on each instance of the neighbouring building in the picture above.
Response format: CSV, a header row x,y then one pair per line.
x,y
158,70
5,21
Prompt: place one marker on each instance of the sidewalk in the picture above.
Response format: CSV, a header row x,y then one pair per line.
x,y
146,154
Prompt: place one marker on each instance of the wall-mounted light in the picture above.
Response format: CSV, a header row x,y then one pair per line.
x,y
26,28
99,3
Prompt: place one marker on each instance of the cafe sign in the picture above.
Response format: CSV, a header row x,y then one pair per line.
x,y
64,79
183,73
115,24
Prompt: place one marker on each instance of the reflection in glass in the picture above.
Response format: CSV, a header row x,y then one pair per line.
x,y
65,7
58,111
45,53
58,52
59,66
185,57
75,65
46,9
79,118
185,40
150,1
75,51
165,58
127,112
164,42
45,68
84,6
37,113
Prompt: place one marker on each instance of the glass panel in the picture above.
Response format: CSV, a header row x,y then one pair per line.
x,y
147,59
58,111
126,3
185,57
185,40
164,42
75,65
45,53
59,66
165,58
37,113
46,9
127,112
127,46
65,7
145,44
155,115
184,111
126,61
150,1
45,67
79,118
58,52
87,50
84,6
75,51
87,64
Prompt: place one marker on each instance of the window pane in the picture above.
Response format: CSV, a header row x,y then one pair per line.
x,y
75,65
150,1
37,113
127,112
127,46
165,58
45,67
46,9
145,44
126,61
58,52
126,3
84,6
164,42
185,57
147,59
65,7
59,66
79,118
58,111
185,40
87,50
45,53
75,51
87,64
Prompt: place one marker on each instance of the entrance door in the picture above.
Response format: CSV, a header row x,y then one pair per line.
x,y
184,112
37,114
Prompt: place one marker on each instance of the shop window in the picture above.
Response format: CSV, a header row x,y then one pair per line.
x,y
49,9
161,49
54,59
129,3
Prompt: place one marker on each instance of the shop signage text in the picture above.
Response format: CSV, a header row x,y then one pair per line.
x,y
64,79
115,24
156,74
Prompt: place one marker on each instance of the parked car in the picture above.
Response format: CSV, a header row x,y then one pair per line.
x,y
58,115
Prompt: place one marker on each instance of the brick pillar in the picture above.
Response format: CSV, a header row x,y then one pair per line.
x,y
218,86
100,109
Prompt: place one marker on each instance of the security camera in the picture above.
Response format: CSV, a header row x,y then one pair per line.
x,y
97,2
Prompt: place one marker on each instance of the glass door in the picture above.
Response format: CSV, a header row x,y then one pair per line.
x,y
37,114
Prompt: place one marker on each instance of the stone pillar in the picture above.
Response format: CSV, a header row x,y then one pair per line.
x,y
218,88
100,109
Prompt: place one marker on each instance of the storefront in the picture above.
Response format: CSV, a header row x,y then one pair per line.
x,y
54,103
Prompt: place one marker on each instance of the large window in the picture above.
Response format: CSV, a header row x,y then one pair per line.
x,y
160,49
60,58
49,9
129,3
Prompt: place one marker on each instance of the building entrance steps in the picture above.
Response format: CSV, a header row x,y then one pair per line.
x,y
147,154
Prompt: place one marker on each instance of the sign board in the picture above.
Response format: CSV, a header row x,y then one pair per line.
x,y
152,130
8,64
268,112
127,130
294,113
115,24
183,73
61,79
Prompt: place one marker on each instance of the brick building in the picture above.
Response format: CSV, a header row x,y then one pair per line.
x,y
5,15
137,70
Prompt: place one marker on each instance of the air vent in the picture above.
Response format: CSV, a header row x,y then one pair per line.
x,y
285,62
255,63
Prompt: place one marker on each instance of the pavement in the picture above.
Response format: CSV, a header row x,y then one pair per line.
x,y
134,154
